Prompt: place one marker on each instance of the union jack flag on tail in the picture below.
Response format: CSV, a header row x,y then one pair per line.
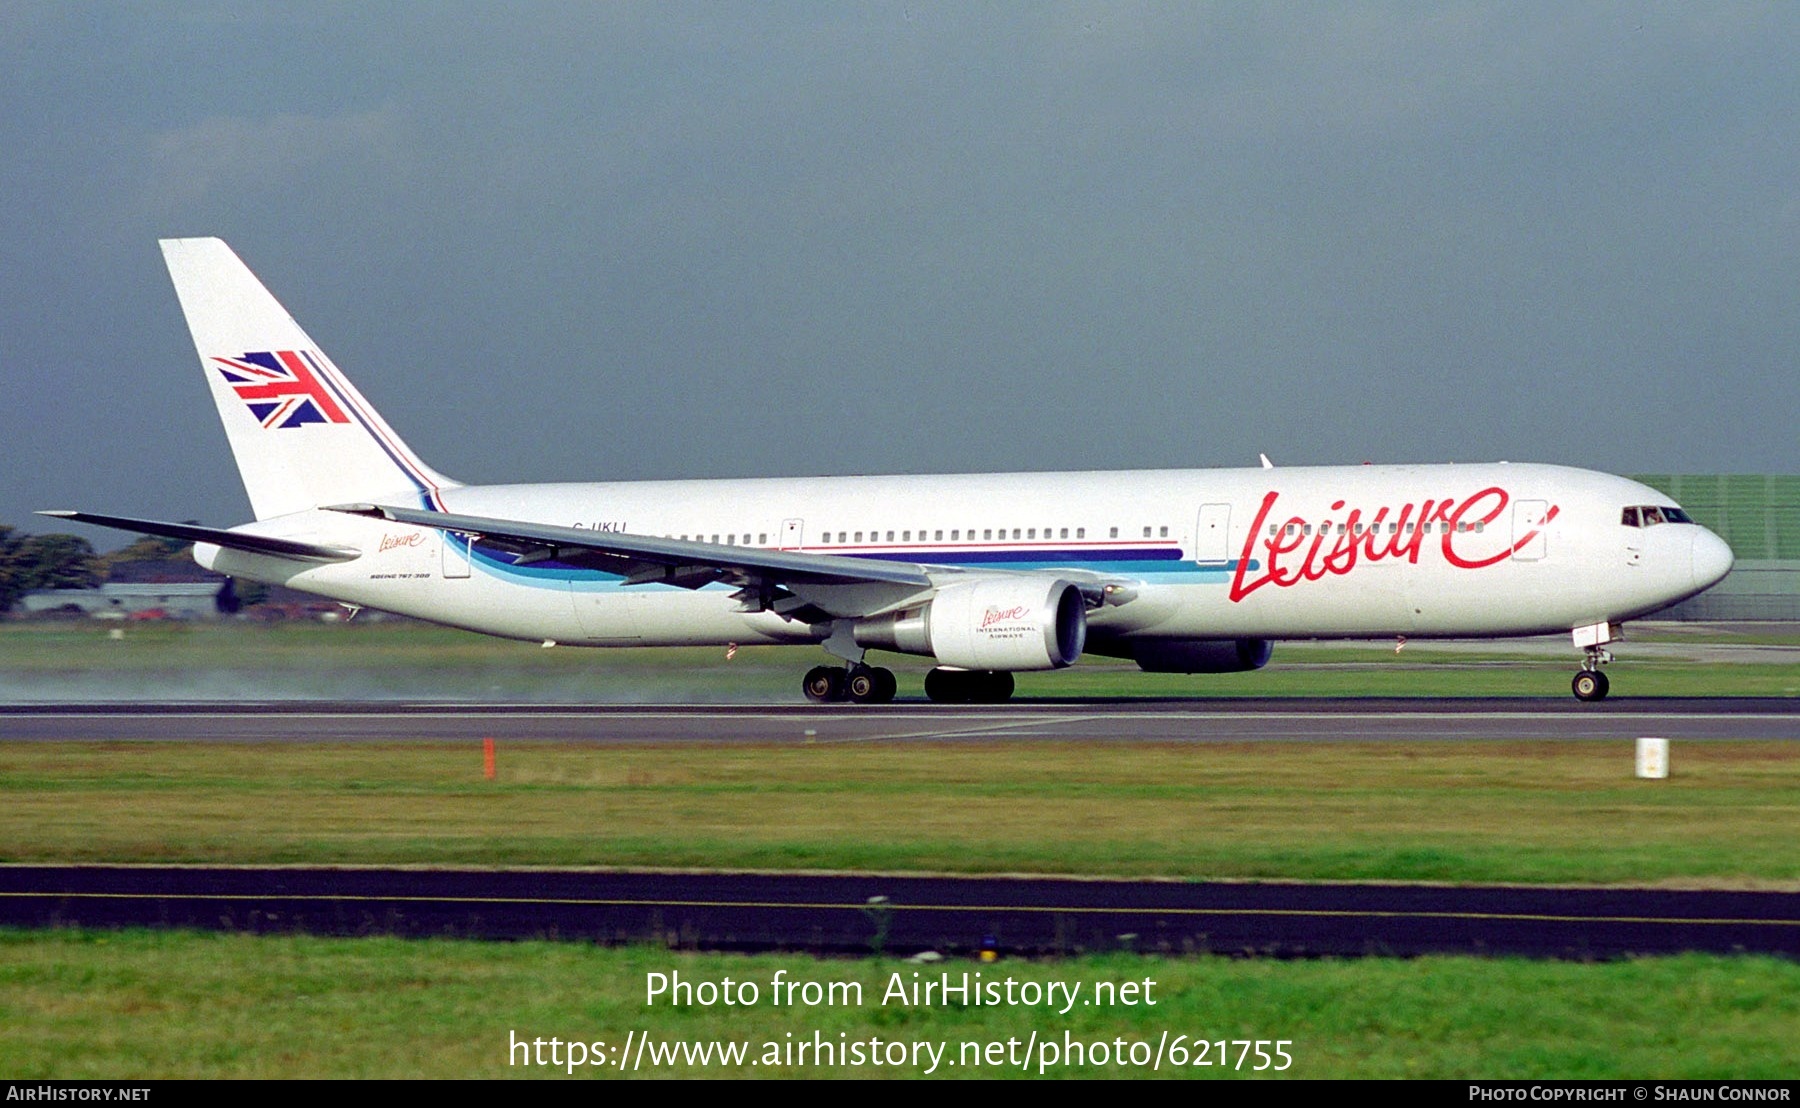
x,y
282,388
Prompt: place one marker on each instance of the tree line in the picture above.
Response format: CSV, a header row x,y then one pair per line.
x,y
58,561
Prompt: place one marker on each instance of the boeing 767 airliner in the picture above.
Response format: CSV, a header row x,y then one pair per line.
x,y
1183,571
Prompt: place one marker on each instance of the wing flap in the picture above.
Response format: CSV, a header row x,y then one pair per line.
x,y
796,585
644,559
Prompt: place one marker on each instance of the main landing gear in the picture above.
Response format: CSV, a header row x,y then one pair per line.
x,y
863,684
968,686
859,683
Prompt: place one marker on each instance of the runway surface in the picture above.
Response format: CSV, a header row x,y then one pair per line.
x,y
1183,721
838,914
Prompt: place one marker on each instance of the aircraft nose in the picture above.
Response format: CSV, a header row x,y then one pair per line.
x,y
1711,558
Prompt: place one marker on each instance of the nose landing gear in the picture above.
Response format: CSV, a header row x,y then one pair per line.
x,y
1590,684
1591,640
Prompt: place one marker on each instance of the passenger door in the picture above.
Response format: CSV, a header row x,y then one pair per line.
x,y
1212,535
1528,519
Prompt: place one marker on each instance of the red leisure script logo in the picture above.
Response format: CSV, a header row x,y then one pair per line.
x,y
1286,565
391,541
1001,615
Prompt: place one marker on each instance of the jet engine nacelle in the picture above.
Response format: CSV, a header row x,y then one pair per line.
x,y
1005,623
1201,655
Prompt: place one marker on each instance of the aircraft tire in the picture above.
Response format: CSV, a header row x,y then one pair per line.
x,y
860,684
885,685
1590,684
995,688
870,685
947,686
824,684
957,686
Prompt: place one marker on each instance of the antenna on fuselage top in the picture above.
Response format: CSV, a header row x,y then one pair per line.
x,y
1267,464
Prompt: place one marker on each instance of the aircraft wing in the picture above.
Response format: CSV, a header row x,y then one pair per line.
x,y
234,540
783,581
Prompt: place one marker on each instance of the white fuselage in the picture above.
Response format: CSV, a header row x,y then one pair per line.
x,y
1302,552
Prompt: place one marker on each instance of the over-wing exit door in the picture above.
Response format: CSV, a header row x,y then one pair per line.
x,y
456,554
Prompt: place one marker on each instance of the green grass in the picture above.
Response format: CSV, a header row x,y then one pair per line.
x,y
1532,812
136,1004
1342,672
364,660
393,660
169,1004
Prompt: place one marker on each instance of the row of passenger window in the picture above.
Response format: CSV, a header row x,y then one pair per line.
x,y
1647,515
762,539
1443,528
1644,515
987,534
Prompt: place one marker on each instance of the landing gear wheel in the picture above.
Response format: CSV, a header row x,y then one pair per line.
x,y
996,688
885,685
1590,684
870,685
946,686
958,686
824,684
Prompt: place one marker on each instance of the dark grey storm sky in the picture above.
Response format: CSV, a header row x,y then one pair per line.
x,y
585,241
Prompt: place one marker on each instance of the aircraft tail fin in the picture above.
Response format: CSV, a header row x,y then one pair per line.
x,y
302,435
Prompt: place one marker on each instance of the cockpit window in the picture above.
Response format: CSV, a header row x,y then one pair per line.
x,y
1649,515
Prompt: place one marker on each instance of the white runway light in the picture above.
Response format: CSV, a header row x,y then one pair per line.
x,y
1653,758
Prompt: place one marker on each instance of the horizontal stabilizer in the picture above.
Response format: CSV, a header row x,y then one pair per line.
x,y
232,540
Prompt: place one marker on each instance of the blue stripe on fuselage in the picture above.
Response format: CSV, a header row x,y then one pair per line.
x,y
1085,557
1163,564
